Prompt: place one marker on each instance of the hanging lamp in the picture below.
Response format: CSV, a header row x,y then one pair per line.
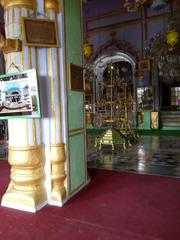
x,y
88,50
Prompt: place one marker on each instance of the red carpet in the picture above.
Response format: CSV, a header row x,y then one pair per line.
x,y
115,205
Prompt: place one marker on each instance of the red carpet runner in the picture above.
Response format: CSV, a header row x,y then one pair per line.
x,y
114,206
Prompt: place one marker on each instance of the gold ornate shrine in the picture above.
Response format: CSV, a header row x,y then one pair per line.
x,y
113,108
114,103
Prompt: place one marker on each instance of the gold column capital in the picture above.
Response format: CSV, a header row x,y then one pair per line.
x,y
29,4
52,5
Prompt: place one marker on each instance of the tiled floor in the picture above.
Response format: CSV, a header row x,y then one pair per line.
x,y
156,155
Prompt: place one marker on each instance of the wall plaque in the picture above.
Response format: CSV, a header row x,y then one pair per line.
x,y
76,78
40,32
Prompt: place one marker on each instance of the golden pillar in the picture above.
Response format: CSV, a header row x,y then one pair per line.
x,y
27,4
53,6
57,147
155,120
26,190
58,174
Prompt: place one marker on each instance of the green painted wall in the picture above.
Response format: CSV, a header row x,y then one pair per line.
x,y
147,121
77,142
75,109
73,36
77,162
73,31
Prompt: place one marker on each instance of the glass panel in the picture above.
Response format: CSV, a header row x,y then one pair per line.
x,y
175,96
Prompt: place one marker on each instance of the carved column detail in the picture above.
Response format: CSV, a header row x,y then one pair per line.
x,y
52,5
58,174
26,190
28,4
57,152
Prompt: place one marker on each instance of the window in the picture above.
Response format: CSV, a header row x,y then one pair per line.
x,y
175,96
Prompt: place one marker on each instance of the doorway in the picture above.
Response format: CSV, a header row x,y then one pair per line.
x,y
113,89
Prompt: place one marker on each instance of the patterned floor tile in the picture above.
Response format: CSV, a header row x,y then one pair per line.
x,y
156,155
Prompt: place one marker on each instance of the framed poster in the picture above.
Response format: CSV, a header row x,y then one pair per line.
x,y
19,97
40,32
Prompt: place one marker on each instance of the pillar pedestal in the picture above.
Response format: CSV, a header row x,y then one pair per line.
x,y
26,190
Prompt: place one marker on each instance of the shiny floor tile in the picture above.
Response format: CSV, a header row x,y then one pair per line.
x,y
156,155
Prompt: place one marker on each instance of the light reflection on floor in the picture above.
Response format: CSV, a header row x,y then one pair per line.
x,y
156,155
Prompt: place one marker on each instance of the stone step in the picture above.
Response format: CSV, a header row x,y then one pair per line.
x,y
170,118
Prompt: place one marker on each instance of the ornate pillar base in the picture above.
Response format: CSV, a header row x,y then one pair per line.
x,y
29,201
57,196
58,175
26,190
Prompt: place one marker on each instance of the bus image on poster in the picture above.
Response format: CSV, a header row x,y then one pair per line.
x,y
19,97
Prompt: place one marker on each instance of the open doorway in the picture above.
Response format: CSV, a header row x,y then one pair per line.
x,y
113,89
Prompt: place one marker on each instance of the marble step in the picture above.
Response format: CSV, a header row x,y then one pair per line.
x,y
170,118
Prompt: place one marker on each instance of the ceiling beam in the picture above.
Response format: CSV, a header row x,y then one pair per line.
x,y
112,27
119,12
128,23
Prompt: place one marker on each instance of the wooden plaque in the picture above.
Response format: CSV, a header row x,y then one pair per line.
x,y
40,32
76,78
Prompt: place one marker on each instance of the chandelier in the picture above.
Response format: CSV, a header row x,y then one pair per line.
x,y
88,50
164,49
130,7
139,4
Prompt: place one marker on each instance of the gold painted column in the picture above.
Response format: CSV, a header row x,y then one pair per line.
x,y
57,147
26,190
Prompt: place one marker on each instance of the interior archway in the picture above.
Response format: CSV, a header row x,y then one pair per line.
x,y
124,71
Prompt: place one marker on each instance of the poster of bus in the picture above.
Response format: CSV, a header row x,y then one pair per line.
x,y
19,96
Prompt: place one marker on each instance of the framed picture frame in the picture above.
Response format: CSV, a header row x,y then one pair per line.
x,y
40,32
145,68
76,77
19,95
144,65
145,98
